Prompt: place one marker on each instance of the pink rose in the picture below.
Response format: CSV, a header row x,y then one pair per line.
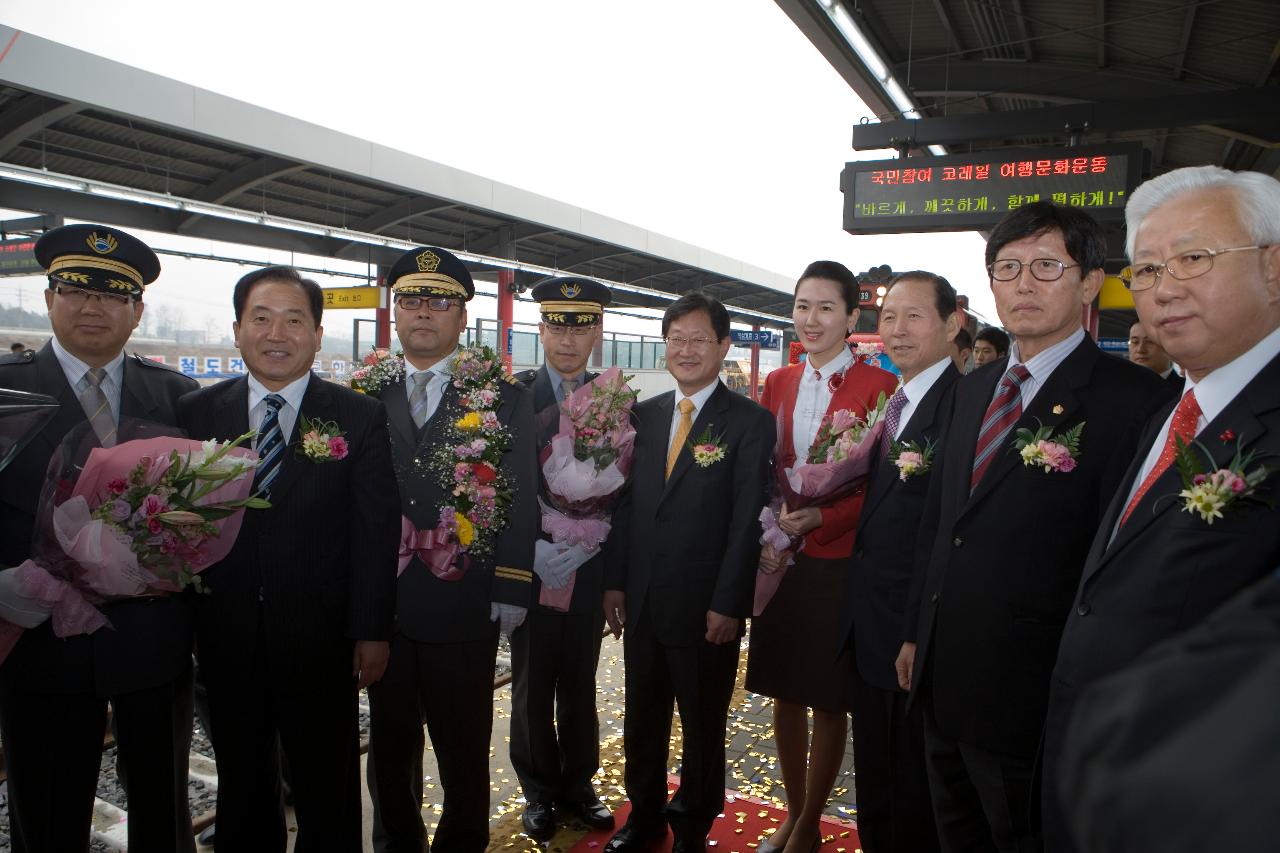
x,y
1238,484
154,525
117,486
338,447
843,419
120,510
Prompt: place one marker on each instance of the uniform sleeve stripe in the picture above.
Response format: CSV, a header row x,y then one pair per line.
x,y
513,574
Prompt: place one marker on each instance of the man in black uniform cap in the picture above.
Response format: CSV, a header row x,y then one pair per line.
x,y
554,654
54,692
447,624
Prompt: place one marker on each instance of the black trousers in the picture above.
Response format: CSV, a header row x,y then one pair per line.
x,y
981,799
895,812
450,686
52,755
307,709
700,679
555,733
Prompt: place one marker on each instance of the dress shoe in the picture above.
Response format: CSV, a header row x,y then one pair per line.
x,y
539,821
633,839
689,844
206,836
590,811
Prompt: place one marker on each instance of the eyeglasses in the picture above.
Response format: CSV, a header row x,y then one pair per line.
x,y
679,342
556,331
1192,263
1042,269
439,304
78,298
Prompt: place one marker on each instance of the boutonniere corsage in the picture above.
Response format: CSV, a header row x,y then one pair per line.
x,y
322,441
378,369
1051,452
834,381
1207,493
707,450
910,459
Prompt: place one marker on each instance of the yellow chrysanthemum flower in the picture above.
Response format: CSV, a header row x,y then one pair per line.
x,y
471,420
466,531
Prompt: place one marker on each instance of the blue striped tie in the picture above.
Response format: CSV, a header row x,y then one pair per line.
x,y
270,446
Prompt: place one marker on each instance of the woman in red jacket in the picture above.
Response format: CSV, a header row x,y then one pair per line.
x,y
792,655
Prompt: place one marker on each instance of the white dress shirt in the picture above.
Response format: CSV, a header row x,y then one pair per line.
x,y
1213,393
699,399
813,398
916,389
292,394
441,376
1041,365
75,370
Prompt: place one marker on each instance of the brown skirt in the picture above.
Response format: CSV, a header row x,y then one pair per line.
x,y
794,650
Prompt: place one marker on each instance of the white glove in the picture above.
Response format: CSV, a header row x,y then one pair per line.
x,y
567,561
508,616
16,607
554,563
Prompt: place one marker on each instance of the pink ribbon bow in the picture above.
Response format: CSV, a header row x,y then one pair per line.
x,y
434,549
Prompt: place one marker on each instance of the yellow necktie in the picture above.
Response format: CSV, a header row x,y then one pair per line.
x,y
682,433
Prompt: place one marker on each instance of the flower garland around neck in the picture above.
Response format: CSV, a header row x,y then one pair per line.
x,y
468,457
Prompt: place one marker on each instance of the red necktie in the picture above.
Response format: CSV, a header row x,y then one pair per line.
x,y
1002,414
1182,426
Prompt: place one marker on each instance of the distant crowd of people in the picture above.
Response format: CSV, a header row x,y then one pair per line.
x,y
1047,612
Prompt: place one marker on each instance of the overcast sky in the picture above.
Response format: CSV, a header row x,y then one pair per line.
x,y
716,123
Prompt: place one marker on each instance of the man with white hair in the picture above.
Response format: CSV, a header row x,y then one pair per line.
x,y
1205,245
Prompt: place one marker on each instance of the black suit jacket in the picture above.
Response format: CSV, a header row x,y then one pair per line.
x,y
692,543
588,584
889,543
1166,569
1006,560
431,610
149,641
319,565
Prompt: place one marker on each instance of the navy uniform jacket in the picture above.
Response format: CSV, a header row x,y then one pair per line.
x,y
1006,559
149,641
889,542
692,543
588,584
318,566
431,610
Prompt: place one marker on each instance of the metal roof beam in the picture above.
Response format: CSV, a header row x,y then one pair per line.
x,y
1259,108
32,114
589,255
251,174
658,269
1044,80
490,242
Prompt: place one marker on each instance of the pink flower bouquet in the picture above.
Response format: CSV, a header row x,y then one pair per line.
x,y
585,466
143,518
840,459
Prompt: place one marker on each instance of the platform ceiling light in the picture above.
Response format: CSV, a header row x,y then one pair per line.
x,y
125,194
294,225
40,178
870,57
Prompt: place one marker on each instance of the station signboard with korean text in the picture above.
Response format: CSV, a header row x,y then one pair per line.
x,y
972,192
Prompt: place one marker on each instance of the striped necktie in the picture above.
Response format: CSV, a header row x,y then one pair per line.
x,y
97,408
1182,426
1002,414
418,398
567,387
683,428
892,418
270,446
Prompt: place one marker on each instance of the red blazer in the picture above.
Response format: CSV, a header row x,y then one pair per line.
x,y
861,388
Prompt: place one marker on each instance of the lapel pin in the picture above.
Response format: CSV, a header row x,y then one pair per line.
x,y
1227,435
1057,410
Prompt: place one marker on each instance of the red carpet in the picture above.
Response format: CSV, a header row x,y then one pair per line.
x,y
738,830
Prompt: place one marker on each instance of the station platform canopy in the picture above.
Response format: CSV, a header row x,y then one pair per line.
x,y
88,138
1195,81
